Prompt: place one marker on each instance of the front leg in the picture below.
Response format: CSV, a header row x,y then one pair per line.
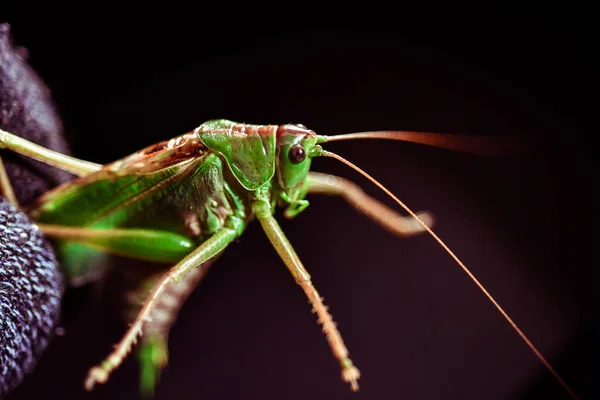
x,y
287,253
386,217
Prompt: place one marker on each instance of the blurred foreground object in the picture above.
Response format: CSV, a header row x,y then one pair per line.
x,y
31,288
31,285
26,110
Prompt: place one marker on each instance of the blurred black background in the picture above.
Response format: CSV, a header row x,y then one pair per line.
x,y
415,325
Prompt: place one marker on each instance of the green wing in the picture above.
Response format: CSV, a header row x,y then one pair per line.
x,y
89,200
158,188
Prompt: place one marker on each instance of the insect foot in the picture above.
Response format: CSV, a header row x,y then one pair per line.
x,y
413,226
350,374
96,375
101,372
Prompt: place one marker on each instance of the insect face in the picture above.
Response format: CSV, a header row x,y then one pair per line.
x,y
296,145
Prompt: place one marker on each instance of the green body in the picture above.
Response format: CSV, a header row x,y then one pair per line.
x,y
170,198
176,194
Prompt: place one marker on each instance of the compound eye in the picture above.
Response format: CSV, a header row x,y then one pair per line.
x,y
297,154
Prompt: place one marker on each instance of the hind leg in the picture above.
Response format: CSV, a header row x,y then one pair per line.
x,y
19,145
6,188
24,147
203,253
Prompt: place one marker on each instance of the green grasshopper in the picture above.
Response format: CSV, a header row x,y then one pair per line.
x,y
182,201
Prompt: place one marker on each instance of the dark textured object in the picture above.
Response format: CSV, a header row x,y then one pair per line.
x,y
30,295
26,110
30,283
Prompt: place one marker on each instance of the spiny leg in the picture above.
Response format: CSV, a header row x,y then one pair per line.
x,y
73,165
211,247
350,373
153,353
389,219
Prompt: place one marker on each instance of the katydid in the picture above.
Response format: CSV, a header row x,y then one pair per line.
x,y
181,202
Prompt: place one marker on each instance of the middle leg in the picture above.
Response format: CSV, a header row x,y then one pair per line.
x,y
207,250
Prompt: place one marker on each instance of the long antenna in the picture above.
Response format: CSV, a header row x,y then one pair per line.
x,y
460,263
479,145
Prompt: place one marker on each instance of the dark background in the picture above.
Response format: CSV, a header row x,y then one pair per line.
x,y
414,323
